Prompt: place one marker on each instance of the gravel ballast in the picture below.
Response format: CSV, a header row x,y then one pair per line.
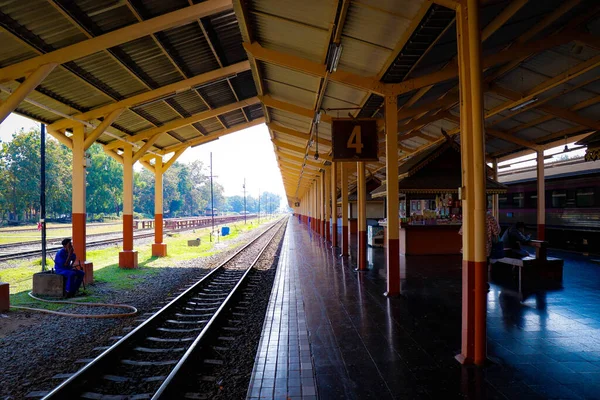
x,y
42,346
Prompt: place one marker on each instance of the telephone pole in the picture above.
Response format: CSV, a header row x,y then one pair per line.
x,y
43,192
212,200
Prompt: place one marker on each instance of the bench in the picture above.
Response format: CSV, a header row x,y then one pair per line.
x,y
535,269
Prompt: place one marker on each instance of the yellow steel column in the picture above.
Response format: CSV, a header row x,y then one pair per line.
x,y
344,189
326,203
361,237
128,258
322,202
474,349
159,249
78,210
333,196
541,197
495,201
392,197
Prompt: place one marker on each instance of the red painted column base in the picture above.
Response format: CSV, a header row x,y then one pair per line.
x,y
474,309
541,231
4,297
327,232
345,240
159,250
393,267
362,251
334,235
128,259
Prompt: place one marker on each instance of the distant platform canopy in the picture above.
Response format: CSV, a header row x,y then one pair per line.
x,y
437,170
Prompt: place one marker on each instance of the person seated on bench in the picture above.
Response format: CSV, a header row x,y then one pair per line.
x,y
514,238
63,265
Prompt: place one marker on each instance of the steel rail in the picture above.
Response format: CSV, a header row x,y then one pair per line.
x,y
75,385
165,390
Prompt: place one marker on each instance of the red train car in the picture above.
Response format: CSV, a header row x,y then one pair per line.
x,y
572,207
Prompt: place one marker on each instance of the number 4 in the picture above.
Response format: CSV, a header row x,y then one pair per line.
x,y
355,142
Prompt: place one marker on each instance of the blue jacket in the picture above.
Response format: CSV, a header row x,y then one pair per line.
x,y
61,259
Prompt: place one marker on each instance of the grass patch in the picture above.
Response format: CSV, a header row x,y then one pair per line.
x,y
108,275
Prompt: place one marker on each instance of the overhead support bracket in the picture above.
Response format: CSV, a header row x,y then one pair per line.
x,y
12,102
96,133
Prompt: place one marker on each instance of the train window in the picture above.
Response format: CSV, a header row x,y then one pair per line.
x,y
503,202
559,198
585,197
519,200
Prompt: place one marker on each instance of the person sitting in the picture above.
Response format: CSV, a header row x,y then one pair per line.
x,y
514,238
63,265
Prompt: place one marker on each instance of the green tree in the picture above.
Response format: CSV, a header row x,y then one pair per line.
x,y
104,190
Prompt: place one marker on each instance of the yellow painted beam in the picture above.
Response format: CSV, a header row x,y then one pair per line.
x,y
147,165
61,137
12,102
515,52
292,108
173,158
297,149
142,151
213,136
549,84
100,129
294,133
370,84
152,95
178,123
451,4
115,38
511,138
114,155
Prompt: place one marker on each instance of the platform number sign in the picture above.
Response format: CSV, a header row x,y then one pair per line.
x,y
354,139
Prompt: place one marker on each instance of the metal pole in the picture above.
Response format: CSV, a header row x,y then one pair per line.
x,y
212,200
43,192
244,201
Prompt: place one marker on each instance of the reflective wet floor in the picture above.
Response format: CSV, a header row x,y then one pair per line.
x,y
364,345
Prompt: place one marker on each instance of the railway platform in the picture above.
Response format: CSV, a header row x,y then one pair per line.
x,y
364,345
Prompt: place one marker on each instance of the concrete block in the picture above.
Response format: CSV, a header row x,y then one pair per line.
x,y
194,243
48,284
128,259
159,250
88,268
4,297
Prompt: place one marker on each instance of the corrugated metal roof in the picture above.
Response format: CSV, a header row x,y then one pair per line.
x,y
378,26
362,58
291,94
273,34
317,13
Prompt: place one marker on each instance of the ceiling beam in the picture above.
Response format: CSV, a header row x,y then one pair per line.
x,y
212,136
515,52
370,84
152,95
292,108
298,149
115,38
178,123
297,134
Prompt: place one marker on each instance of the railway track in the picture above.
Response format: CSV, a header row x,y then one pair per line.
x,y
151,362
96,243
38,252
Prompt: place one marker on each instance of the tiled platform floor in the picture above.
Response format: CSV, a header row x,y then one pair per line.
x,y
283,368
365,345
